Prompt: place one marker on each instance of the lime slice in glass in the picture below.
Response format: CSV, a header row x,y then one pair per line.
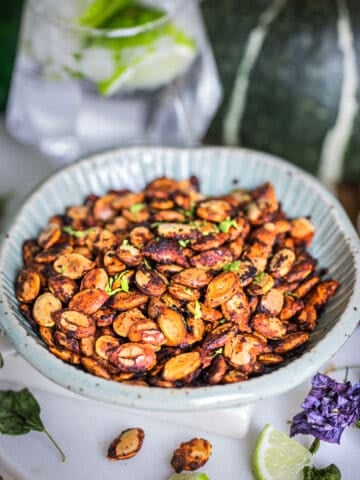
x,y
152,70
146,60
278,457
100,11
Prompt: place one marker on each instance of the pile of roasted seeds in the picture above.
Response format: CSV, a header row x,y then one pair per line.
x,y
169,288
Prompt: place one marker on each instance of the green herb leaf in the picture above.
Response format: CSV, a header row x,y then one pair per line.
x,y
183,243
330,472
225,225
217,352
20,413
222,321
197,310
357,424
187,213
125,242
232,266
188,291
259,277
76,233
288,293
195,225
147,264
137,207
124,284
63,269
155,224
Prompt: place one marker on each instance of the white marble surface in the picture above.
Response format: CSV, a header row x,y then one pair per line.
x,y
84,428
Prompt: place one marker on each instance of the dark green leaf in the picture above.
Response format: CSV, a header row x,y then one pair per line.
x,y
20,407
26,404
12,424
20,413
330,472
357,424
1,361
7,400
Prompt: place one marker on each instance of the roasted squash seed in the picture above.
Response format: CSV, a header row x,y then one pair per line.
x,y
191,455
27,286
126,445
43,308
179,367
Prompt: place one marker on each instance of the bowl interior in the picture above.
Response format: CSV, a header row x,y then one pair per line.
x,y
335,245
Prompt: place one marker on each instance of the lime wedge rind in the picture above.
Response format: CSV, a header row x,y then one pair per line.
x,y
149,71
99,11
278,457
189,476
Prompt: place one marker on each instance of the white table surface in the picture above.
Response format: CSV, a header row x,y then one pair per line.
x,y
84,428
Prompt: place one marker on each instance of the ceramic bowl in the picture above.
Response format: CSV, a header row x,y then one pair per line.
x,y
336,246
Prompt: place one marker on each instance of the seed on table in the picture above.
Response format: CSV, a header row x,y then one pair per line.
x,y
191,455
126,445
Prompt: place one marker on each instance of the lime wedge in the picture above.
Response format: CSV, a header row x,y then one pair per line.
x,y
147,59
156,68
188,476
100,11
278,457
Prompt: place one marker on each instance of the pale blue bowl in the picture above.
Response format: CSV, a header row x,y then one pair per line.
x,y
335,245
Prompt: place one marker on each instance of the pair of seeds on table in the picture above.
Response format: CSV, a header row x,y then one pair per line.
x,y
188,456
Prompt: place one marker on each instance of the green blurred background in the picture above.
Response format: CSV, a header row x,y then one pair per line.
x,y
10,14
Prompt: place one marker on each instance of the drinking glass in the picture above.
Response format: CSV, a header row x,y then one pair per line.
x,y
91,75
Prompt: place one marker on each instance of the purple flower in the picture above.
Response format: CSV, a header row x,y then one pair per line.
x,y
328,409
